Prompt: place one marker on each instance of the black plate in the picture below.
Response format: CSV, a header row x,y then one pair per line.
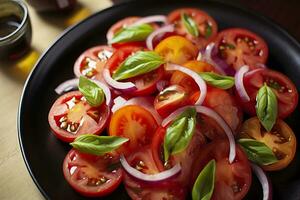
x,y
44,154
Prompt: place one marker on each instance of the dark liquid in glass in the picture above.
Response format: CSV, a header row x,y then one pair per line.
x,y
8,24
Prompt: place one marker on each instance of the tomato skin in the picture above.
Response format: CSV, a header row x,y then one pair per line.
x,y
133,122
201,18
237,174
89,125
93,167
233,45
281,139
287,100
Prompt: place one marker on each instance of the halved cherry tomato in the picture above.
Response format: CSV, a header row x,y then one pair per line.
x,y
232,181
280,139
177,49
226,106
135,123
145,83
185,80
90,175
91,62
206,25
71,116
240,47
169,99
282,86
164,190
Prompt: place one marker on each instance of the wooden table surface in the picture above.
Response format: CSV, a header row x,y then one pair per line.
x,y
15,180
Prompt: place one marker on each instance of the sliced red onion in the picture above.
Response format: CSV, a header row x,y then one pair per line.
x,y
207,56
210,113
161,85
261,65
118,103
150,19
239,83
127,86
200,82
67,86
262,177
106,91
149,177
109,36
164,29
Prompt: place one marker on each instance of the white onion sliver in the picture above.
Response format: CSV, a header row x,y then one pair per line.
x,y
150,19
164,29
200,82
106,91
210,113
149,177
118,103
263,180
67,86
109,36
208,57
115,84
239,83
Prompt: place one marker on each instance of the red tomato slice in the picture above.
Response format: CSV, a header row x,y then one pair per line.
x,y
146,83
232,181
239,47
170,99
164,190
91,62
207,26
135,123
282,86
71,116
92,176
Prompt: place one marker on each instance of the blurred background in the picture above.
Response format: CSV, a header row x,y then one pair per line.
x,y
48,20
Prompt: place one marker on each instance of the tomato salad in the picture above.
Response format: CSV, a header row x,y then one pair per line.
x,y
173,109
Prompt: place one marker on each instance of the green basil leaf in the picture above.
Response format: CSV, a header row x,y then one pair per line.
x,y
91,91
190,24
179,133
216,80
266,107
139,63
97,145
132,33
257,151
208,31
204,185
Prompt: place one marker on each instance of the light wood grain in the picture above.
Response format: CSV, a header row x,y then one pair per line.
x,y
15,181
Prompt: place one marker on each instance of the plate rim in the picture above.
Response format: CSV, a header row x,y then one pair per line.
x,y
245,10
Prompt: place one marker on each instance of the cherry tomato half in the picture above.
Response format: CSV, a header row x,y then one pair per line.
x,y
282,86
176,49
206,25
240,47
145,83
280,139
232,181
91,62
90,175
71,116
135,123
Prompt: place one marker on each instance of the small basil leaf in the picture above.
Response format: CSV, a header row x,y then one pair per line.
x,y
132,33
216,80
139,63
266,107
204,185
97,145
179,133
258,152
190,24
91,91
208,31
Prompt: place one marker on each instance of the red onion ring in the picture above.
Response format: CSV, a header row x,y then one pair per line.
x,y
119,102
161,85
261,65
67,86
210,113
106,91
150,19
200,82
164,29
149,177
127,86
239,83
263,179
